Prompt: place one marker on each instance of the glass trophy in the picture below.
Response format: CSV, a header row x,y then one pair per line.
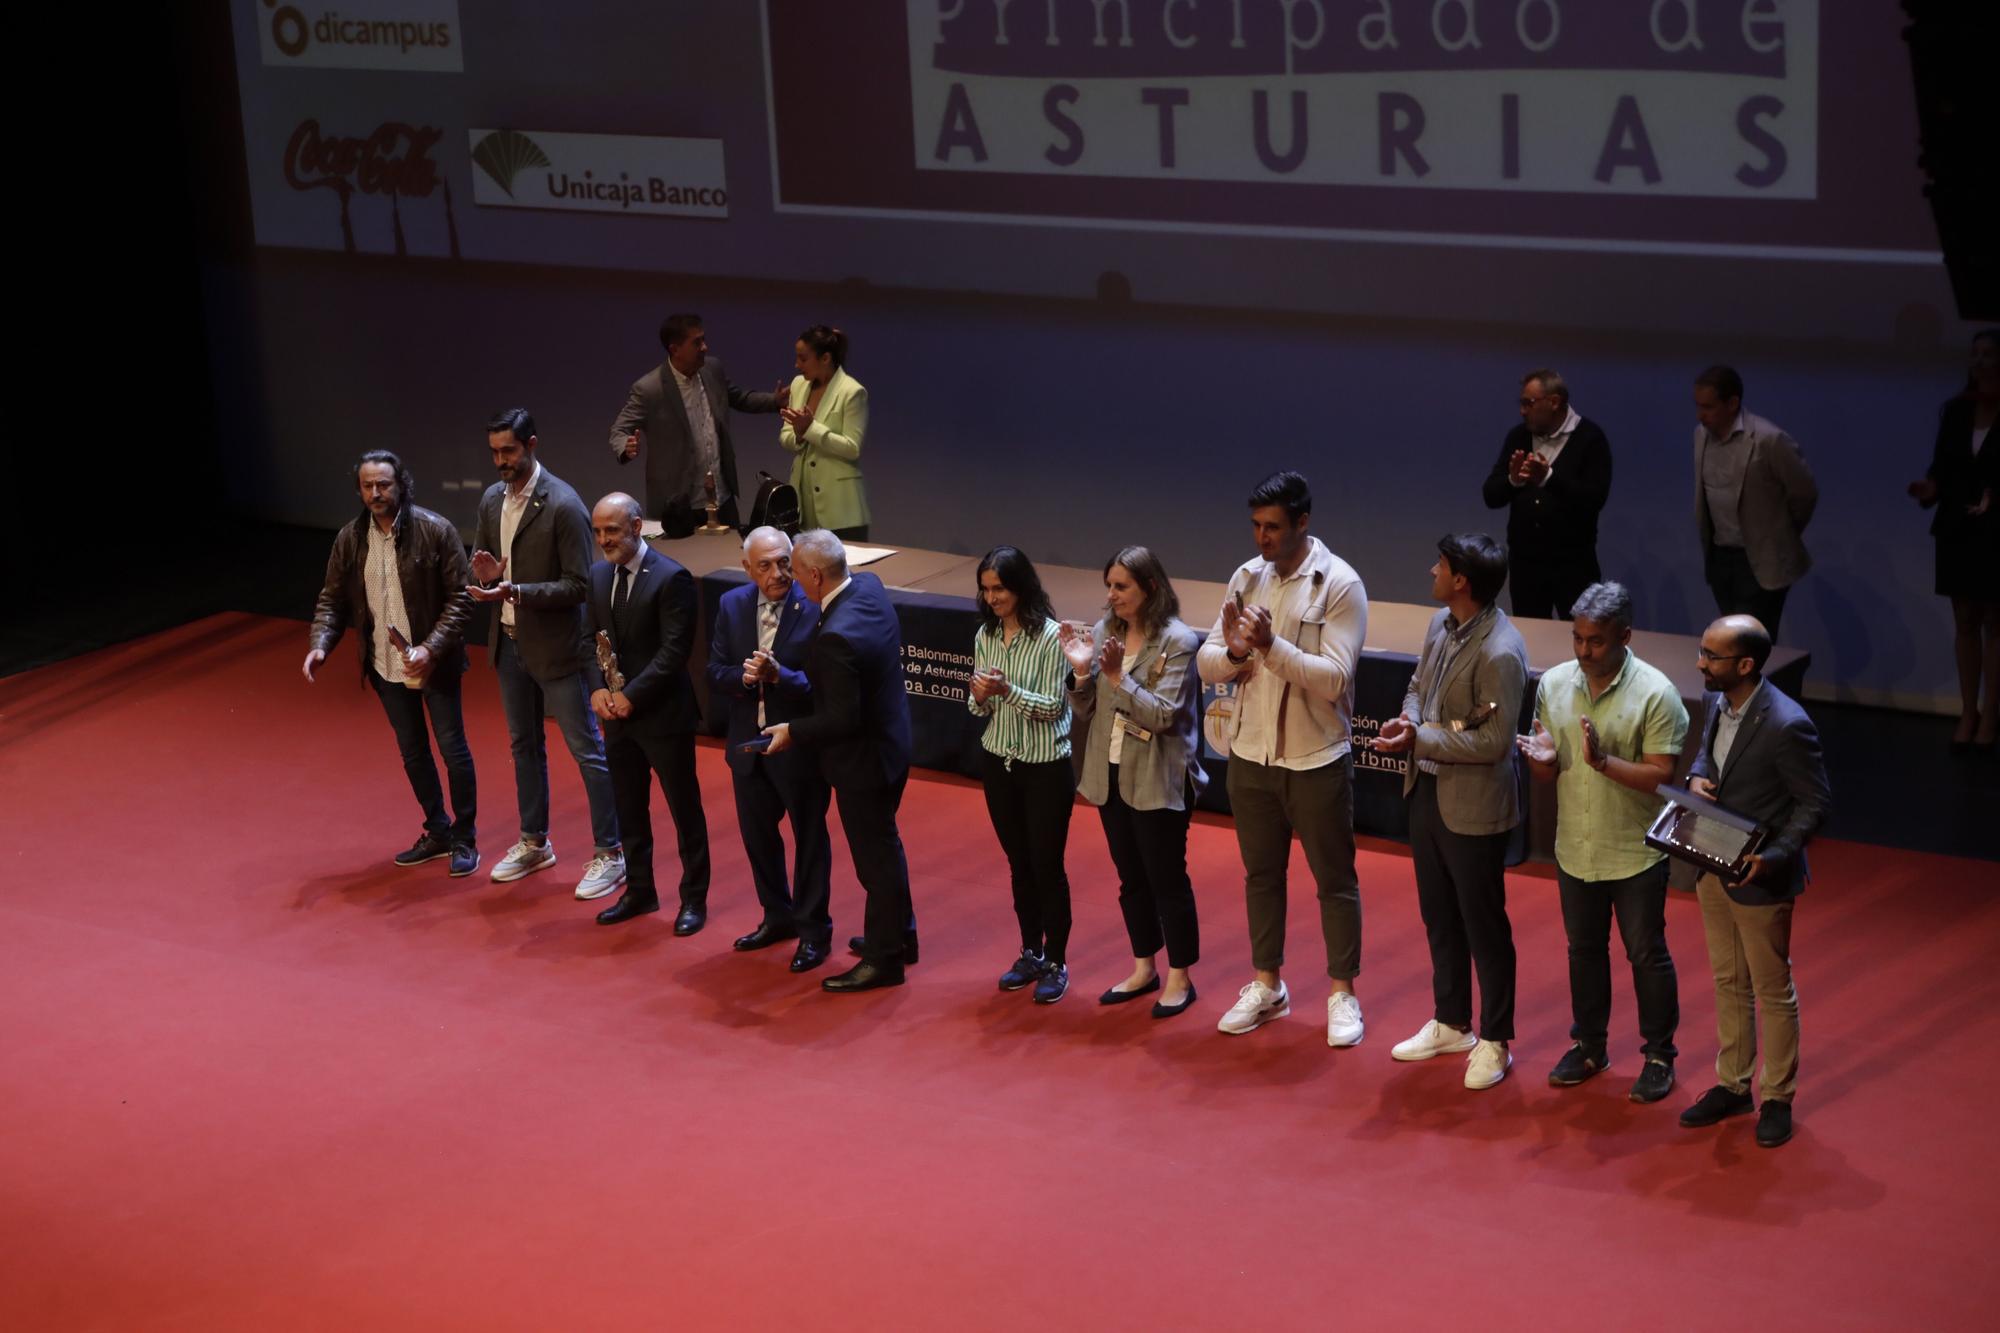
x,y
1704,833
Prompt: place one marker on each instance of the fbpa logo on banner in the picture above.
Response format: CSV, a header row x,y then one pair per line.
x,y
362,34
599,173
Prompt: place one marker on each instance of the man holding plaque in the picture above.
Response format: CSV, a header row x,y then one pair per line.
x,y
398,574
1759,756
643,611
1608,731
1457,727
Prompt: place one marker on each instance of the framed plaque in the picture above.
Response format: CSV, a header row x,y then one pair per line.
x,y
1710,836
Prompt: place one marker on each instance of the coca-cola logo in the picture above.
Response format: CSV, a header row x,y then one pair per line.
x,y
393,161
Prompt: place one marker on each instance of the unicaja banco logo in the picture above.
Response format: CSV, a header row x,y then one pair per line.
x,y
504,154
364,34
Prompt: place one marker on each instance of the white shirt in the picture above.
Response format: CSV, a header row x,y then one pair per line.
x,y
1979,439
1548,447
701,425
383,581
513,504
826,602
1725,730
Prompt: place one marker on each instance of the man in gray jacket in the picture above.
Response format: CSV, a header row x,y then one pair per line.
x,y
537,587
1752,500
1457,727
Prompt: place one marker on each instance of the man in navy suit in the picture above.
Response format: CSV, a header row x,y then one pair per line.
x,y
1760,756
645,603
859,730
756,658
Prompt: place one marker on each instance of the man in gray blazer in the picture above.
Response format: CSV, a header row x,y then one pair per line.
x,y
1752,500
1457,727
677,418
537,585
1760,756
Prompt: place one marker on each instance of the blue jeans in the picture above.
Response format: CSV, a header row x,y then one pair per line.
x,y
405,708
526,701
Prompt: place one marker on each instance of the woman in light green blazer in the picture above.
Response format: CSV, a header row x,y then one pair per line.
x,y
826,417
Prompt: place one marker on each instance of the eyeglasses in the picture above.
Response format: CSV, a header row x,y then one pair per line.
x,y
1530,402
1703,655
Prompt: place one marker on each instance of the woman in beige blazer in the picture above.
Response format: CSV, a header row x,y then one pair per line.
x,y
1135,705
825,418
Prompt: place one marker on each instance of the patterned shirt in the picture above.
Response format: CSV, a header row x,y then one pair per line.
x,y
1031,721
383,582
1600,823
701,425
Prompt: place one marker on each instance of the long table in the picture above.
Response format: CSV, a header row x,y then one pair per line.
x,y
933,595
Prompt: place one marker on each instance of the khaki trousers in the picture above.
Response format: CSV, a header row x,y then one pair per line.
x,y
1750,952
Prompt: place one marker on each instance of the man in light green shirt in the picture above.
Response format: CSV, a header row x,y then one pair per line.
x,y
1608,729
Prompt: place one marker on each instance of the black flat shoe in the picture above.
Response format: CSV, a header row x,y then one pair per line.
x,y
1774,1124
764,937
864,975
1116,996
626,908
690,920
855,942
1169,1010
808,956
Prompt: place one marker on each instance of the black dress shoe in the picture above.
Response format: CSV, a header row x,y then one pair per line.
x,y
1116,996
1169,1010
856,942
690,920
864,975
1715,1106
1774,1124
808,956
628,906
764,937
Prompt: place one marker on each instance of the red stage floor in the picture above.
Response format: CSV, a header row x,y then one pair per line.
x,y
257,1078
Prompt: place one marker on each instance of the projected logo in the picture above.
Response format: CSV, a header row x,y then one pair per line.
x,y
362,34
599,173
390,164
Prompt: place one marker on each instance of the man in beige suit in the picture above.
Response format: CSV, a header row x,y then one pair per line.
x,y
1457,727
1752,500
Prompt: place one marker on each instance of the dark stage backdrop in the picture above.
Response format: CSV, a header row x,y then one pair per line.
x,y
1105,264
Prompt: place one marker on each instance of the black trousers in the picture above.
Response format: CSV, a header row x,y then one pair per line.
x,y
405,708
633,757
1462,896
1737,591
1546,586
1030,806
680,520
868,815
770,791
1149,849
1640,905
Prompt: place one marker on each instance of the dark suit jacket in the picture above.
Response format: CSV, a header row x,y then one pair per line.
x,y
1962,477
1557,520
549,568
732,638
860,724
666,440
653,642
1776,775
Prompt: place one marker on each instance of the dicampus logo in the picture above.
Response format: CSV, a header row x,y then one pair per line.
x,y
363,34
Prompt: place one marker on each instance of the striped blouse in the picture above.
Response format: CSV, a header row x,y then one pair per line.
x,y
1031,721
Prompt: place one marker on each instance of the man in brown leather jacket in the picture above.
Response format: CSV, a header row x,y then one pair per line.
x,y
397,574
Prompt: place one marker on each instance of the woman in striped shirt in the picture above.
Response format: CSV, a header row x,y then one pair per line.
x,y
1017,686
1137,702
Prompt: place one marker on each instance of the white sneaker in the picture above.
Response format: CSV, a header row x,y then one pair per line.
x,y
524,858
1343,1019
1256,1004
601,874
1433,1038
1489,1064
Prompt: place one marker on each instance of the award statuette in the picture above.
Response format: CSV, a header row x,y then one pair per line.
x,y
1697,830
402,645
607,662
709,503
